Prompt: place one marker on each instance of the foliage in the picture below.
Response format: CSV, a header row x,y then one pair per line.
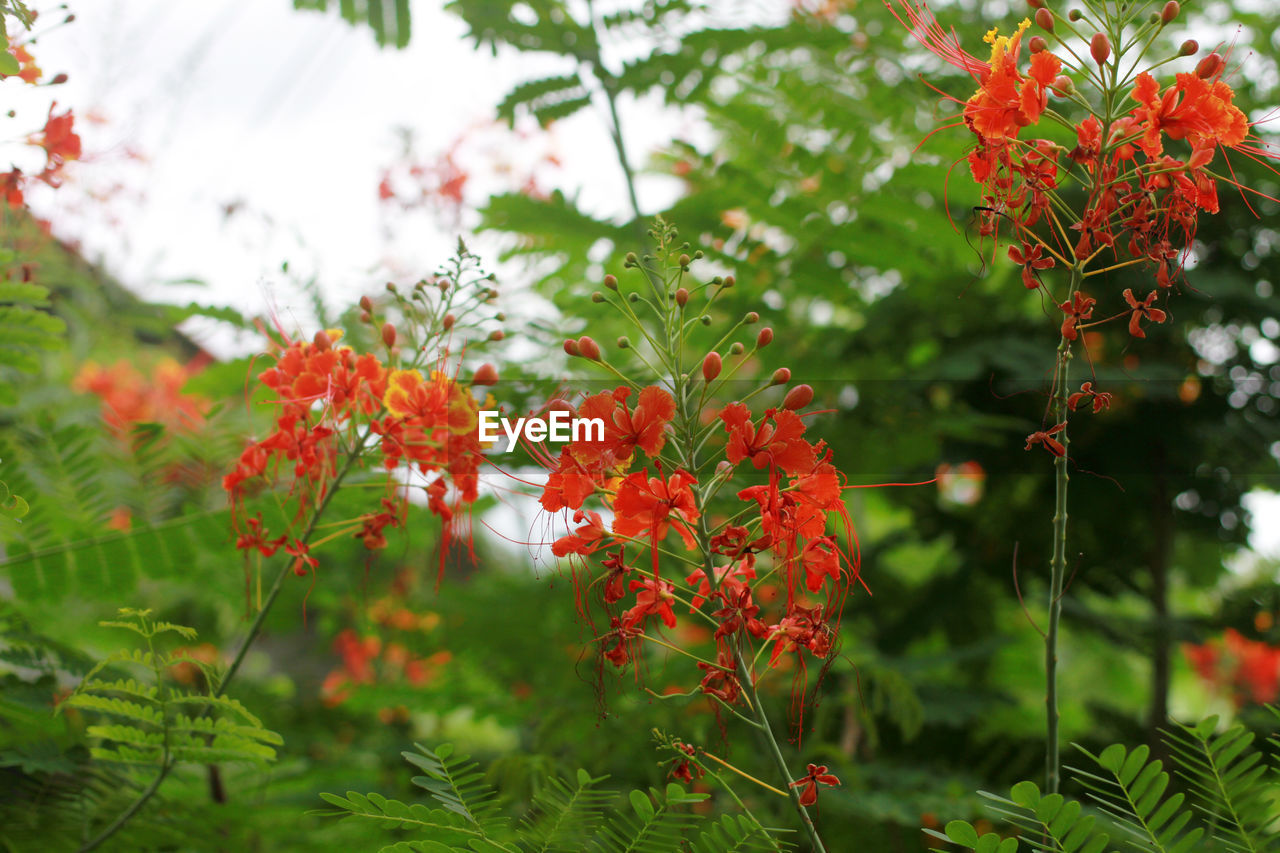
x,y
390,26
1232,805
152,722
565,816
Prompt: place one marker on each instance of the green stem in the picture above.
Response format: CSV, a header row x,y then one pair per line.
x,y
1058,563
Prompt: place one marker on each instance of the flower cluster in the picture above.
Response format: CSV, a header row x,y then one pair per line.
x,y
336,408
690,515
57,138
1249,670
1146,152
130,398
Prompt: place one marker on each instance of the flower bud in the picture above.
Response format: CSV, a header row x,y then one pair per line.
x,y
1037,44
388,335
589,348
682,297
1036,4
711,366
448,321
685,261
501,317
1189,48
705,319
729,281
1100,48
631,260
723,467
366,303
322,341
624,342
736,348
597,297
611,281
1063,85
781,376
487,374
798,397
571,347
765,337
366,317
1075,15
1170,12
752,317
58,79
1044,19
497,335
391,287
1210,66
633,297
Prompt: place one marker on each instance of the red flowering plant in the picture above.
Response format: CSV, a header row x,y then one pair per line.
x,y
690,513
1091,156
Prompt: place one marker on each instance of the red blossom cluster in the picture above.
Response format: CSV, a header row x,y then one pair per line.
x,y
1143,152
334,404
782,520
130,398
368,660
1248,669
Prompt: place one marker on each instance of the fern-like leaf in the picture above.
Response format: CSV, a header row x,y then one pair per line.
x,y
1228,780
563,817
1131,788
457,784
654,825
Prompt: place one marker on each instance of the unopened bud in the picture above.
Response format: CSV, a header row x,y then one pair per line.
x,y
684,261
366,317
1100,48
1036,4
633,297
1189,48
366,303
631,260
497,335
588,348
1209,66
58,79
798,397
682,297
322,341
611,281
500,317
448,321
624,342
736,348
781,376
597,297
705,319
1044,19
711,366
1037,44
487,374
765,337
391,287
729,281
752,317
388,335
1075,15
723,467
1170,12
571,347
1063,85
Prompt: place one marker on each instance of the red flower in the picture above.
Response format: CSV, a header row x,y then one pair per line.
x,y
779,444
1142,311
1079,307
1030,256
647,504
1101,399
1046,437
301,550
808,784
653,599
821,560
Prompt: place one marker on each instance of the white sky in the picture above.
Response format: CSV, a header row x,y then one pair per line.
x,y
293,114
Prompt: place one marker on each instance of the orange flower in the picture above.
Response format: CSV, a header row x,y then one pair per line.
x,y
1006,101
